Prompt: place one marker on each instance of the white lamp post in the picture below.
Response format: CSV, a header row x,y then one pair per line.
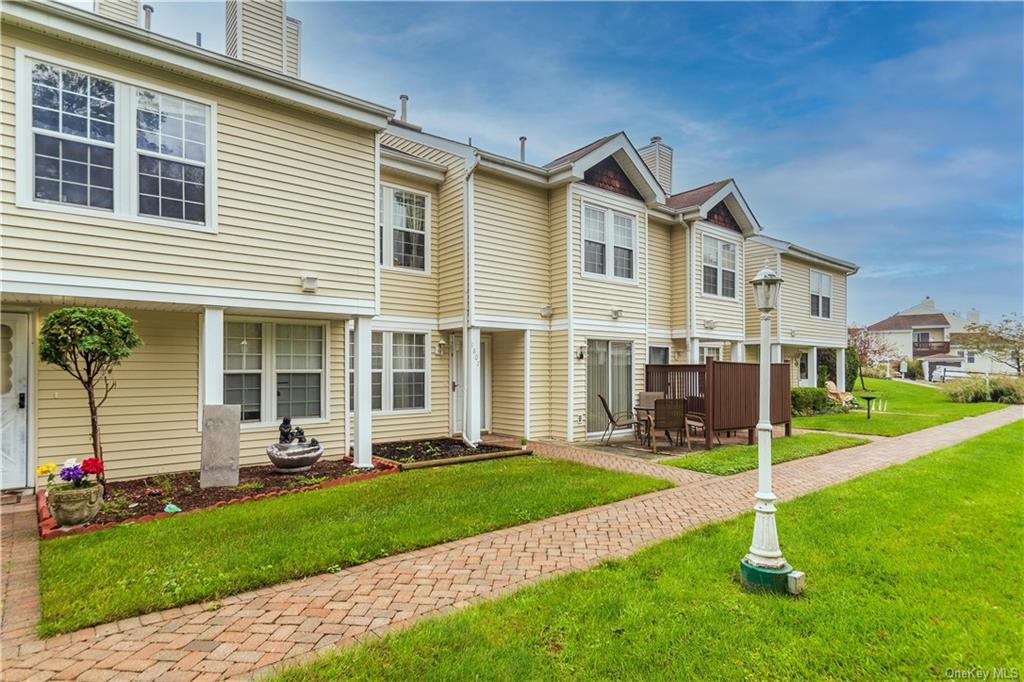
x,y
764,567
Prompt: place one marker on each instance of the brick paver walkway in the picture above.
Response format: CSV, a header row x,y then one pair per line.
x,y
245,634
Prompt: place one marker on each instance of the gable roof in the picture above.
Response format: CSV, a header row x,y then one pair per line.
x,y
578,154
617,146
697,195
907,322
796,251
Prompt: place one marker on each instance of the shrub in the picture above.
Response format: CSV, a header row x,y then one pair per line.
x,y
852,365
808,401
973,390
824,374
1009,390
914,370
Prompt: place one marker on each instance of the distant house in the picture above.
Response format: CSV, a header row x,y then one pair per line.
x,y
938,339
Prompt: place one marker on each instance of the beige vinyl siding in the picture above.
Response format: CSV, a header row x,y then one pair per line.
x,y
679,280
756,255
122,10
659,287
293,47
557,258
594,298
580,374
543,407
795,305
231,37
511,242
558,352
416,424
727,313
263,33
288,185
150,423
410,293
450,221
507,378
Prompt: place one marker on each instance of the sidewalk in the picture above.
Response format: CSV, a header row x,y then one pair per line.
x,y
245,634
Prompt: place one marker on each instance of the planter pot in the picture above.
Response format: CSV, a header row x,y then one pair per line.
x,y
294,458
72,506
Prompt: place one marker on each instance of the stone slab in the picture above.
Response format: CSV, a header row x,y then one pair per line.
x,y
222,428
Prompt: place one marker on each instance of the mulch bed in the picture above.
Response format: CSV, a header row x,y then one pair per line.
x,y
144,499
409,451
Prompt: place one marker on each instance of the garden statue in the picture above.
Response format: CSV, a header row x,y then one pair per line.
x,y
292,454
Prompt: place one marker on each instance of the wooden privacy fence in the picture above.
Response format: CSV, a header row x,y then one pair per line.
x,y
725,394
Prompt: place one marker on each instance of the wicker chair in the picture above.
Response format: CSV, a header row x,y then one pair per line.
x,y
620,420
669,416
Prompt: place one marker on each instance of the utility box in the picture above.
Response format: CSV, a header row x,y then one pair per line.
x,y
795,583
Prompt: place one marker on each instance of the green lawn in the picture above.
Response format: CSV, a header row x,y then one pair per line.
x,y
137,568
736,458
912,570
907,408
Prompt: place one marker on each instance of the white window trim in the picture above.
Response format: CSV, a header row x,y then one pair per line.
x,y
810,289
609,243
387,377
268,372
735,270
718,347
667,349
125,154
388,244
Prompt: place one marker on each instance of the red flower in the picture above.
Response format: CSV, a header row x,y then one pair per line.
x,y
92,466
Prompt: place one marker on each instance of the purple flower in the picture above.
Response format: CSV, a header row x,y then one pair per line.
x,y
72,473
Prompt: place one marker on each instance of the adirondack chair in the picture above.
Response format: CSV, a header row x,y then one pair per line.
x,y
835,394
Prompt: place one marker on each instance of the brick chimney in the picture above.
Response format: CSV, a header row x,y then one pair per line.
x,y
658,157
259,32
121,10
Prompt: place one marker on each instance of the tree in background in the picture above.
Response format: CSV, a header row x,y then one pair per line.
x,y
1003,340
88,343
869,349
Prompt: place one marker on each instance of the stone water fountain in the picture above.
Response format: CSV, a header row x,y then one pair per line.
x,y
292,454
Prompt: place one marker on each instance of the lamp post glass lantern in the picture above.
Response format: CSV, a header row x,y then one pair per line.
x,y
764,567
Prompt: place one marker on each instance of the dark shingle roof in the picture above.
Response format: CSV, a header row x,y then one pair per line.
x,y
697,195
581,152
904,322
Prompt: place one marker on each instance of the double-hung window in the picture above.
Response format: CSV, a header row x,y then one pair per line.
x,y
657,355
713,352
398,371
821,294
719,273
100,144
404,226
609,243
275,369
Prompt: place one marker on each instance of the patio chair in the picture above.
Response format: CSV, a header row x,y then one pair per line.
x,y
696,423
620,420
669,416
645,406
835,394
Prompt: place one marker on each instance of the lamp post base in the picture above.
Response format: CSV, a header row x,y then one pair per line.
x,y
762,579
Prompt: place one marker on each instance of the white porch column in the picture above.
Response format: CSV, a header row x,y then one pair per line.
x,y
526,383
213,356
841,369
812,366
362,399
738,354
471,388
776,352
693,348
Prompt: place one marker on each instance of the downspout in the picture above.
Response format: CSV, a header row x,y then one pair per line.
x,y
469,289
691,293
569,336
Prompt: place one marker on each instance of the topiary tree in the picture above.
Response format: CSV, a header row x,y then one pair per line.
x,y
88,343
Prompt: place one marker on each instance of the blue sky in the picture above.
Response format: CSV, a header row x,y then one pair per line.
x,y
885,134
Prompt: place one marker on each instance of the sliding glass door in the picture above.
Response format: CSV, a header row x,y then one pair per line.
x,y
609,374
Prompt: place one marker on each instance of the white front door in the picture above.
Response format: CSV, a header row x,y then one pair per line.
x,y
14,401
457,369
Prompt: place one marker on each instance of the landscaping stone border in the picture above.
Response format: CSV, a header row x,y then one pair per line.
x,y
48,525
444,461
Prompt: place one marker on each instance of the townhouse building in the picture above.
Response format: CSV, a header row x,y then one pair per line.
x,y
301,252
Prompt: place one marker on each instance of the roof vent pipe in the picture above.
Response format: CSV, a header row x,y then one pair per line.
x,y
148,10
522,149
405,106
199,39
